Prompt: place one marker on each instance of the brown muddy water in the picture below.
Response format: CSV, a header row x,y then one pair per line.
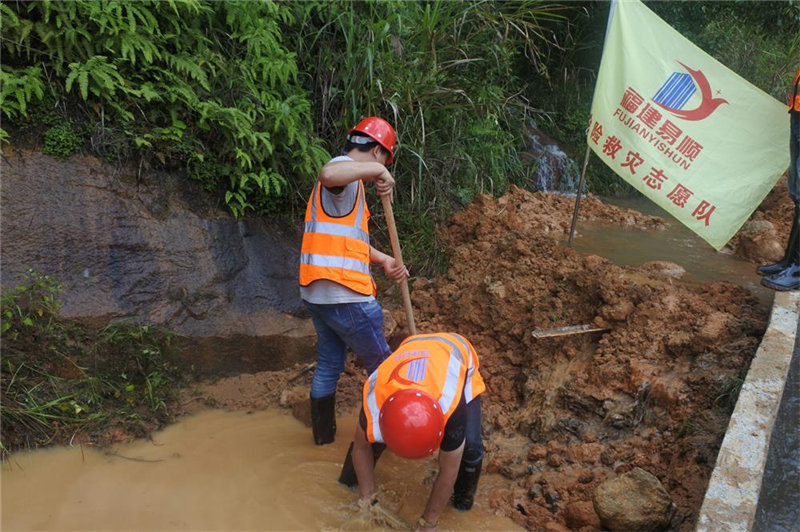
x,y
216,470
675,243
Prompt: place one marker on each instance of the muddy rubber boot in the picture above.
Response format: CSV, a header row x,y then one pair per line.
x,y
348,475
788,279
466,484
323,419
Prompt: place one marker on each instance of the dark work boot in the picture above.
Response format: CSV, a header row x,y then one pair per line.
x,y
772,269
788,279
466,484
323,419
348,475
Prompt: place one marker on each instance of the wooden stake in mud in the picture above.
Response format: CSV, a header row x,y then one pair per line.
x,y
578,197
398,257
564,331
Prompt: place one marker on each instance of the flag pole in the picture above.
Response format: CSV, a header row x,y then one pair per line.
x,y
578,196
611,10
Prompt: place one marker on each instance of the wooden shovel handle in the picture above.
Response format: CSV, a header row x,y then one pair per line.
x,y
398,257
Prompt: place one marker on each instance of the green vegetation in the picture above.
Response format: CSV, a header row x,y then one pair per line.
x,y
59,378
207,87
250,98
62,140
729,392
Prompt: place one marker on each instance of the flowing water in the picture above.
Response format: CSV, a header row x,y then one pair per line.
x,y
215,471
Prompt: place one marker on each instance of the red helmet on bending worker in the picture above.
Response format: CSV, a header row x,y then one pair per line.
x,y
412,423
379,130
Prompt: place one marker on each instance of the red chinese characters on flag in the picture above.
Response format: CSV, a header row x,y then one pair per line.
x,y
597,132
654,179
703,212
669,132
680,195
650,116
612,146
631,100
690,148
632,161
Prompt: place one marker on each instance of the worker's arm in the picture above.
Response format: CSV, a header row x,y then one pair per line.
x,y
339,174
442,490
393,270
364,464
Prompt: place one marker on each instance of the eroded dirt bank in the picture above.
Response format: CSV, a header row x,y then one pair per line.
x,y
562,414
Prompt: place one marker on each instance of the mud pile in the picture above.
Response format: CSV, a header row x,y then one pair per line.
x,y
653,389
562,414
763,237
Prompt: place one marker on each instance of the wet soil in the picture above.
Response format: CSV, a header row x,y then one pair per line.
x,y
762,239
654,389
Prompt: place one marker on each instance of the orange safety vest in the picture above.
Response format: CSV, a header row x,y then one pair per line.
x,y
334,248
444,365
794,99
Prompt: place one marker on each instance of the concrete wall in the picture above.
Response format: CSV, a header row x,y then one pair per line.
x,y
732,495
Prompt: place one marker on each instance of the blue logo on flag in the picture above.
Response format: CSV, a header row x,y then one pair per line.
x,y
676,91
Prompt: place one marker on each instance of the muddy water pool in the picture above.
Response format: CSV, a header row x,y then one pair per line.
x,y
216,470
675,243
778,509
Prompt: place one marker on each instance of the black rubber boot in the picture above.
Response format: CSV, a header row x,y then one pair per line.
x,y
348,475
466,484
788,279
323,419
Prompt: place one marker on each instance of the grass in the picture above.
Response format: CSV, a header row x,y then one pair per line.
x,y
60,378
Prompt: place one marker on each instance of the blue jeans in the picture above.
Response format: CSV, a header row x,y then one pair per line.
x,y
358,326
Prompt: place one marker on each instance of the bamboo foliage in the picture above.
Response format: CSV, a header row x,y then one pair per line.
x,y
247,95
204,85
444,73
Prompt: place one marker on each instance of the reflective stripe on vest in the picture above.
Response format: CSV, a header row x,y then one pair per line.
x,y
435,363
336,249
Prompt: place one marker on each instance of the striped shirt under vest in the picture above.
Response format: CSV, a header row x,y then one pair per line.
x,y
337,248
443,364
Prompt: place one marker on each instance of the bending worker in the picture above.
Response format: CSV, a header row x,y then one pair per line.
x,y
335,280
424,397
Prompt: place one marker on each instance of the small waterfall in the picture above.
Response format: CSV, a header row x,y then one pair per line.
x,y
555,170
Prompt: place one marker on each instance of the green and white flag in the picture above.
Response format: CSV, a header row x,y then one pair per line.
x,y
684,130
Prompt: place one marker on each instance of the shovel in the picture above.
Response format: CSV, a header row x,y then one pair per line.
x,y
398,257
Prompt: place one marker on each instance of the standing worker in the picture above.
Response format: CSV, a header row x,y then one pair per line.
x,y
424,397
785,274
335,280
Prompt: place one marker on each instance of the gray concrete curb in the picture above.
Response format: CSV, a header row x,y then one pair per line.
x,y
732,495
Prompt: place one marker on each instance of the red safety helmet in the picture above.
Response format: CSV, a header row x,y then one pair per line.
x,y
379,130
412,423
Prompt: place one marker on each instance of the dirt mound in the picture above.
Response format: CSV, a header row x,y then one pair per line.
x,y
653,389
762,239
